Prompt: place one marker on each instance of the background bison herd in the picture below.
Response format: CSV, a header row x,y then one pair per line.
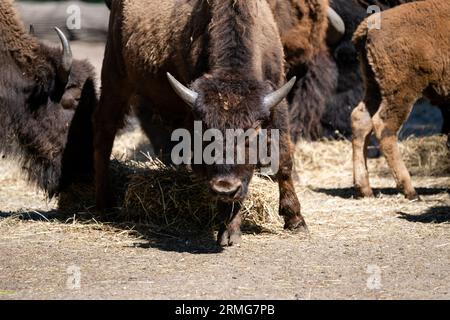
x,y
91,94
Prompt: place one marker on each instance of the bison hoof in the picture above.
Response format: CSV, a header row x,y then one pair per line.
x,y
364,193
413,197
296,224
229,238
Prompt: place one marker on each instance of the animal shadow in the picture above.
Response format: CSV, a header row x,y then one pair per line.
x,y
202,243
350,193
434,215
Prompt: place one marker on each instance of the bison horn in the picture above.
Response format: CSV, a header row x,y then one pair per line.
x,y
336,27
273,99
66,62
183,92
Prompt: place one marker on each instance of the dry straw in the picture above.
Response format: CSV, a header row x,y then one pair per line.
x,y
174,201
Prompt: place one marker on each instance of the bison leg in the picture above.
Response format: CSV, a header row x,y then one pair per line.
x,y
289,207
387,122
230,229
108,118
362,128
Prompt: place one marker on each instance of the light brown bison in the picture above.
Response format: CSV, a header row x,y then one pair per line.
x,y
409,57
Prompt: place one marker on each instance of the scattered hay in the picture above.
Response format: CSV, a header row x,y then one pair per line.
x,y
174,201
80,197
426,156
330,160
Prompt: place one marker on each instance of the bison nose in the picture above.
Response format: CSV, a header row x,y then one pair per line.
x,y
226,186
68,102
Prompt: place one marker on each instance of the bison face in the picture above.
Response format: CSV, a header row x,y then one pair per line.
x,y
232,119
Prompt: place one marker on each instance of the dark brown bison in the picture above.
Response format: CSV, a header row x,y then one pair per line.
x,y
306,26
230,54
396,74
52,144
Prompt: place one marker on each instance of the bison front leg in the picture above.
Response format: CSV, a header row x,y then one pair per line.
x,y
108,118
230,229
289,207
361,128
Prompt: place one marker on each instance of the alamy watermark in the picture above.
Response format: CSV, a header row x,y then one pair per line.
x,y
73,21
234,147
73,281
374,280
374,21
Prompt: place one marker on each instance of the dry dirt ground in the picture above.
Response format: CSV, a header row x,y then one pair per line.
x,y
382,248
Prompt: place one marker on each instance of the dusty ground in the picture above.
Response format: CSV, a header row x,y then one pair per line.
x,y
381,248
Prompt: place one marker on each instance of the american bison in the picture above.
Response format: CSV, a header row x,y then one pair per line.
x,y
335,117
51,143
231,55
303,26
401,62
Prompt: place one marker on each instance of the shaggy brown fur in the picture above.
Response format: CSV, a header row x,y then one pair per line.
x,y
335,119
409,57
303,26
230,51
33,125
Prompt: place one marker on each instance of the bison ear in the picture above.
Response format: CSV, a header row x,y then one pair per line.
x,y
188,96
274,99
336,27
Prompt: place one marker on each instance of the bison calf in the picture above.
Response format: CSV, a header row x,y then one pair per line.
x,y
409,57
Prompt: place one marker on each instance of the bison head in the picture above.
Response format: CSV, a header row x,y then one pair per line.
x,y
232,112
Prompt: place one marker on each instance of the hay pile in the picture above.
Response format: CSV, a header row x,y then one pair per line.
x,y
426,156
178,201
174,201
423,156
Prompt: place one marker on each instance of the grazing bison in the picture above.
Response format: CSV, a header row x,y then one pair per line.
x,y
303,26
406,59
52,144
231,55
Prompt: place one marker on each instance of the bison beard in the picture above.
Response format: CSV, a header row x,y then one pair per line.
x,y
231,54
